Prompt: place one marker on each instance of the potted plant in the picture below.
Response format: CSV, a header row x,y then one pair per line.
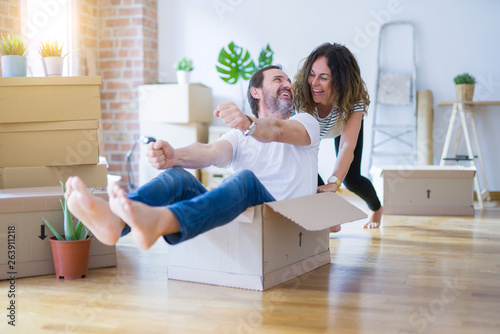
x,y
184,66
464,86
51,58
13,52
71,250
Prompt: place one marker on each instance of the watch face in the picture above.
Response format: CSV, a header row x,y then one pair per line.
x,y
332,179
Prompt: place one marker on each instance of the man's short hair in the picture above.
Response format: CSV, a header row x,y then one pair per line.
x,y
256,81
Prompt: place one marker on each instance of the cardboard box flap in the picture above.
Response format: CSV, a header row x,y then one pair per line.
x,y
51,81
52,126
319,211
246,216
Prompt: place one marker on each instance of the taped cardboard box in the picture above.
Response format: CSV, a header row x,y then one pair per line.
x,y
50,99
425,190
49,144
22,210
24,177
266,245
172,103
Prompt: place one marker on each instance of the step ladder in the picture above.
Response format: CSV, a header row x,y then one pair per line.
x,y
464,109
394,128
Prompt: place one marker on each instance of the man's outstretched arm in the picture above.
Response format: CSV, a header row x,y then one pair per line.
x,y
162,155
269,129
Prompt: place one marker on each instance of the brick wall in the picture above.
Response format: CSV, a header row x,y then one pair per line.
x,y
127,58
118,38
10,21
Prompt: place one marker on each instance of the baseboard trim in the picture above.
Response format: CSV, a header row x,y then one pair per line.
x,y
494,195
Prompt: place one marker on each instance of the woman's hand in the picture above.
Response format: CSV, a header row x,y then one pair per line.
x,y
332,187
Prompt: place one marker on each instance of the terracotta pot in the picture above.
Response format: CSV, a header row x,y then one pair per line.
x,y
464,92
71,258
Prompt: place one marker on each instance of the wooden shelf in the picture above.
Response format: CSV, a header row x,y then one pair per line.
x,y
471,103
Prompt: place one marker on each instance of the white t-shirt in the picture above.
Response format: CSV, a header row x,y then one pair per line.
x,y
286,170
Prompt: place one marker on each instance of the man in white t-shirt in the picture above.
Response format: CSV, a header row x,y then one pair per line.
x,y
273,158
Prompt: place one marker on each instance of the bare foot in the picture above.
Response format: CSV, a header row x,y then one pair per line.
x,y
147,223
335,229
93,211
374,220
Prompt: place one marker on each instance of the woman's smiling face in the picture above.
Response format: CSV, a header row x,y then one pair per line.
x,y
320,82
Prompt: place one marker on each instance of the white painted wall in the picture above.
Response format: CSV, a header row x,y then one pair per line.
x,y
452,37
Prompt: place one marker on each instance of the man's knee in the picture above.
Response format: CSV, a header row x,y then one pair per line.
x,y
246,175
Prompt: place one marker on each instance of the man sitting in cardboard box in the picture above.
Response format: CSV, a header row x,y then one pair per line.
x,y
274,158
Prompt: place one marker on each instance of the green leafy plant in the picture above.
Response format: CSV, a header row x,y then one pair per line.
x,y
236,62
464,78
71,232
53,49
12,44
184,64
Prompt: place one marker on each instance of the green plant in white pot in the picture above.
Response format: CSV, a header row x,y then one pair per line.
x,y
71,250
52,60
13,50
464,87
184,66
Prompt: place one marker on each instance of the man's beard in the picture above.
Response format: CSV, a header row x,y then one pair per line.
x,y
276,105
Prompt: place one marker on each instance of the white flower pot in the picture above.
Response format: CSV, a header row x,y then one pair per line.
x,y
13,66
53,66
183,77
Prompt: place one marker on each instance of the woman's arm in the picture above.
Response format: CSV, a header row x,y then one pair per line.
x,y
348,141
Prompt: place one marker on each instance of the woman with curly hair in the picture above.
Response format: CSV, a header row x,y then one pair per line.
x,y
329,87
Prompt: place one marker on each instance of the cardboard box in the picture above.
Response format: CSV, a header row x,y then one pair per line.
x,y
24,177
50,99
22,210
425,190
171,103
49,144
266,245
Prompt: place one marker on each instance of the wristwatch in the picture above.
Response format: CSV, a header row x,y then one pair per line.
x,y
251,129
334,179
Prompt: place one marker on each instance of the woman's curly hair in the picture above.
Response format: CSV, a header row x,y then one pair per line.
x,y
348,86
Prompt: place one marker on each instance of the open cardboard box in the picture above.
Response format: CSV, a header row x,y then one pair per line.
x,y
266,245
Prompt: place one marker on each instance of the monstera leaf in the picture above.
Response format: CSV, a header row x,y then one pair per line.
x,y
235,62
266,57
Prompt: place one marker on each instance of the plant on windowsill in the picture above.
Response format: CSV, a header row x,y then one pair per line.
x,y
52,60
71,250
184,66
464,87
13,51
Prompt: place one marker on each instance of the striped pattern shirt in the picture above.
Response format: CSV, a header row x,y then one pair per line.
x,y
330,127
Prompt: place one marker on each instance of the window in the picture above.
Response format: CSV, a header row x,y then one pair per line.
x,y
47,20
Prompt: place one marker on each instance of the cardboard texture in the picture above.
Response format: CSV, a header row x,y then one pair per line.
x,y
23,177
266,245
50,99
171,103
49,143
425,190
22,209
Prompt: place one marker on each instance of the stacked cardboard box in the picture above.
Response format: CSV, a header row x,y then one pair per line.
x,y
48,132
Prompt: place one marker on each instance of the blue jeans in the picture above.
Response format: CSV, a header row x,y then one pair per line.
x,y
197,209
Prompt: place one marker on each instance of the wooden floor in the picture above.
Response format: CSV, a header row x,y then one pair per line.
x,y
415,275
